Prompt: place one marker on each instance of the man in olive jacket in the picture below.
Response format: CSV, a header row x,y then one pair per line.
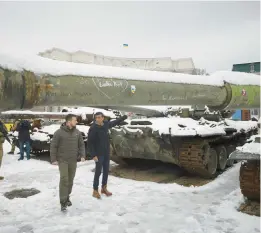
x,y
66,146
3,132
99,146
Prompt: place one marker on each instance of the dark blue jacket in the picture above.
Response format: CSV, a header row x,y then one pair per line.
x,y
23,129
98,137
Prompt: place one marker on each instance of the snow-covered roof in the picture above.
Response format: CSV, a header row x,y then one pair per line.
x,y
40,65
159,63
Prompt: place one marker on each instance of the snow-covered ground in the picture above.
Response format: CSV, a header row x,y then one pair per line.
x,y
135,207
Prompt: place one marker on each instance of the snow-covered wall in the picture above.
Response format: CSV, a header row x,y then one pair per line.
x,y
184,65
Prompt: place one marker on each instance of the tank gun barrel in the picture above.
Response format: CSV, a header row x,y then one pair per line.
x,y
23,89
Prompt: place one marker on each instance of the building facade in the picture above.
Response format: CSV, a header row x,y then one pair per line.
x,y
253,67
182,65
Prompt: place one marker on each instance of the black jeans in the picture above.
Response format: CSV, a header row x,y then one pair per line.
x,y
102,164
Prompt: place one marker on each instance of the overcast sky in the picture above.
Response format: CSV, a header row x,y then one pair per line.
x,y
215,34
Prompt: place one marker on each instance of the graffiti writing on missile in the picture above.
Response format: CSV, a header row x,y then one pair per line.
x,y
67,94
110,84
170,97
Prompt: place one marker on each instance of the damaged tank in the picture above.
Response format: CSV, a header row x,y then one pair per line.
x,y
249,176
200,146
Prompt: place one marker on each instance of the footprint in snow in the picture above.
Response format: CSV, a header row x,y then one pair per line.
x,y
26,228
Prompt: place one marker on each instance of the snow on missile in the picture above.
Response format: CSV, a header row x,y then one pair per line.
x,y
40,65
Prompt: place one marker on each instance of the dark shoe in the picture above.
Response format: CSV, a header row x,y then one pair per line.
x,y
20,159
1,177
69,203
28,158
63,207
10,153
105,191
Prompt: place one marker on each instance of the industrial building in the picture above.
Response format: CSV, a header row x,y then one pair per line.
x,y
182,65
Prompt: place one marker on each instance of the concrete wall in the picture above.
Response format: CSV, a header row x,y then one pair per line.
x,y
184,65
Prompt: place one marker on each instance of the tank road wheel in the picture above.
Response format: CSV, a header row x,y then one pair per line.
x,y
222,157
230,149
212,164
250,179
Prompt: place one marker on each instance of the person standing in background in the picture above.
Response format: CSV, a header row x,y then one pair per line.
x,y
3,133
99,146
66,146
23,128
14,140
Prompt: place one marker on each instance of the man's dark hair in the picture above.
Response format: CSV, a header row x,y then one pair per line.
x,y
69,117
98,114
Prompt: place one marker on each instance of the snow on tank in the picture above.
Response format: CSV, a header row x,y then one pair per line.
x,y
245,126
50,130
252,148
178,126
88,110
249,151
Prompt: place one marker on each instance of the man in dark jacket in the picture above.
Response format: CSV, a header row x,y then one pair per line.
x,y
23,128
99,145
66,146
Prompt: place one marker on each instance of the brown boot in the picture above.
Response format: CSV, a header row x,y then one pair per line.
x,y
105,191
1,177
96,194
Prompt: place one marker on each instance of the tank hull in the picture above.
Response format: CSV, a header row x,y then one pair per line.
x,y
203,156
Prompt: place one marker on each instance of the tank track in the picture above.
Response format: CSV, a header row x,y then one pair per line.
x,y
193,156
250,179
